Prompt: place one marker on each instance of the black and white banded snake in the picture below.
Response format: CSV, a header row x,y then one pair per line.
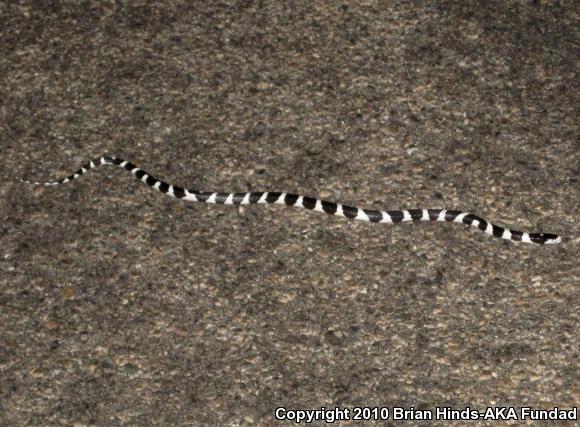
x,y
331,208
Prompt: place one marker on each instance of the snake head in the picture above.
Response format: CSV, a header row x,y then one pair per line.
x,y
545,238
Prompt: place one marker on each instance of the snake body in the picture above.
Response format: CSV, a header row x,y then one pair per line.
x,y
331,208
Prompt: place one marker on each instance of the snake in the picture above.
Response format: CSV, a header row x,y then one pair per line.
x,y
311,203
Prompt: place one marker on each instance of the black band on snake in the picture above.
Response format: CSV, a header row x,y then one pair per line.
x,y
331,208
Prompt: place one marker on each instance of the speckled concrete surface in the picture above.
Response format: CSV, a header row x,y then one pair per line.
x,y
119,306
